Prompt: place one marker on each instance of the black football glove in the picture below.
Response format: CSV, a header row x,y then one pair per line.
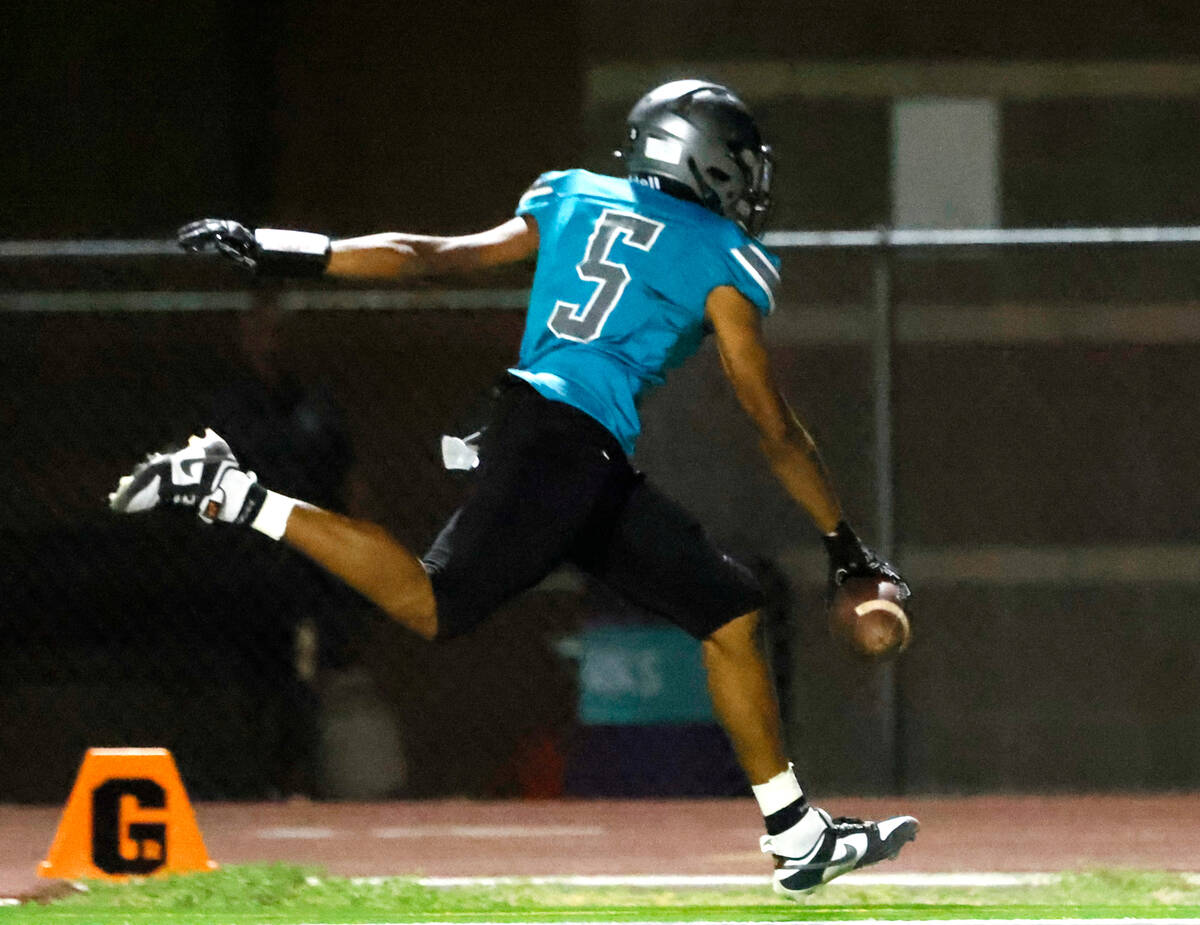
x,y
266,251
233,240
850,558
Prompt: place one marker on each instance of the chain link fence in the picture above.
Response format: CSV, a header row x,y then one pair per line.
x,y
1039,443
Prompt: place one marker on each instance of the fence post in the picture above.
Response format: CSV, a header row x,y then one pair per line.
x,y
882,345
882,341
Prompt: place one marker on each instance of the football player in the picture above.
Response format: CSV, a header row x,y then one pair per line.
x,y
632,273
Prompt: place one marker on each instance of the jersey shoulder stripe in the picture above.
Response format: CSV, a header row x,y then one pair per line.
x,y
557,185
544,190
761,269
538,190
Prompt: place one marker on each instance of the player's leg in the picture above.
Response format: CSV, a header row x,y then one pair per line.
x,y
370,560
532,493
657,555
810,848
743,697
543,465
744,700
206,477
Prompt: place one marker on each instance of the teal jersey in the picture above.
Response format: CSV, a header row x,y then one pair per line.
x,y
623,273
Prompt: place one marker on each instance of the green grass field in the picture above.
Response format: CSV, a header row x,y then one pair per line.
x,y
287,895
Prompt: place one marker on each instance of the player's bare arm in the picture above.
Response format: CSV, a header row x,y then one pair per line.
x,y
789,448
393,255
398,255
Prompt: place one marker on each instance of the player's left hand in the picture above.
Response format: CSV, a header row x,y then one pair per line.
x,y
849,557
229,238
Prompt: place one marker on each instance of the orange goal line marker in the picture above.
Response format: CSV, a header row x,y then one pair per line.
x,y
128,815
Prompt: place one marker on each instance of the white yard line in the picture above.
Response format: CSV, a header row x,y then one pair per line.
x,y
1047,921
310,833
488,831
953,879
298,832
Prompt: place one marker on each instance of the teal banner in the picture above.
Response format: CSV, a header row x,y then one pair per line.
x,y
640,676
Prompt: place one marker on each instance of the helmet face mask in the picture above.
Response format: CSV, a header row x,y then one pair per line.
x,y
701,136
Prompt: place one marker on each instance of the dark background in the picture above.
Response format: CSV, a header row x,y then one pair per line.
x,y
121,117
126,119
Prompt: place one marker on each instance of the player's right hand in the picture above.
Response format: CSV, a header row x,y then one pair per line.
x,y
849,557
233,240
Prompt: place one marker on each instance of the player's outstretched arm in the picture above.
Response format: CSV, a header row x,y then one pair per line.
x,y
279,252
397,255
789,449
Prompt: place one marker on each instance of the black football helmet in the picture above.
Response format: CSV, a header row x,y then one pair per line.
x,y
701,135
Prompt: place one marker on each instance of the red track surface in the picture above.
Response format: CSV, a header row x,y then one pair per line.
x,y
644,837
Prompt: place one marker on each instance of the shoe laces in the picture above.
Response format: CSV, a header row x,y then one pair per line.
x,y
848,824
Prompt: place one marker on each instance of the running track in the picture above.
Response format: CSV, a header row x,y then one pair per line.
x,y
467,838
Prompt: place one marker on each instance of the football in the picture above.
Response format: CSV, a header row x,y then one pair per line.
x,y
866,617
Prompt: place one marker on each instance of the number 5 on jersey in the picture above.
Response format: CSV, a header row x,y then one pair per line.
x,y
571,322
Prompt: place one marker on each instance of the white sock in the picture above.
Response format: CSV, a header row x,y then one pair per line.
x,y
804,826
781,790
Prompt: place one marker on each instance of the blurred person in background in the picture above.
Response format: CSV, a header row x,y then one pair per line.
x,y
305,625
